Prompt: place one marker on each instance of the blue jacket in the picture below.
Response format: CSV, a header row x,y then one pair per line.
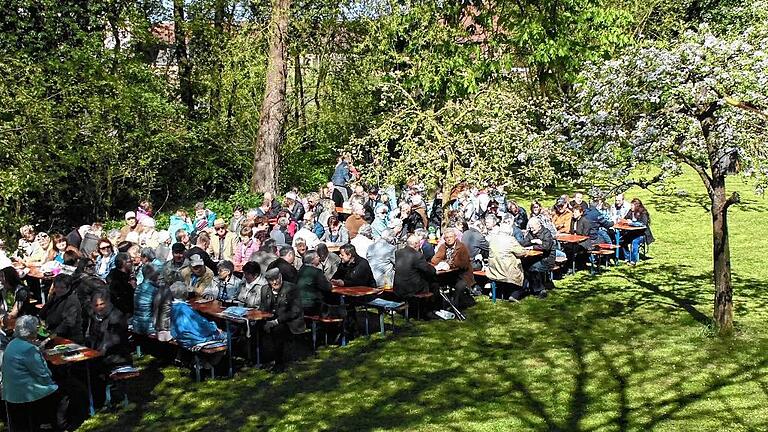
x,y
341,175
177,223
189,328
26,377
143,323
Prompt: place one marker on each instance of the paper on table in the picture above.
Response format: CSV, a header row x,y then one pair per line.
x,y
442,265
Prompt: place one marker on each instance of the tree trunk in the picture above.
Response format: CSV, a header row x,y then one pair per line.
x,y
272,121
723,309
182,58
300,102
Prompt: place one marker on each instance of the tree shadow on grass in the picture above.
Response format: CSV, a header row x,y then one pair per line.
x,y
603,353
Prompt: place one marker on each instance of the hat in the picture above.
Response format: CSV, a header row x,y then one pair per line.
x,y
291,195
178,248
272,274
560,201
226,265
195,261
219,222
130,215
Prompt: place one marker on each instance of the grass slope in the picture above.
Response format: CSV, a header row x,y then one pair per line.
x,y
631,349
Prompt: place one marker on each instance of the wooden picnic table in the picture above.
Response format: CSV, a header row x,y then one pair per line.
x,y
214,309
342,210
77,354
355,291
334,248
623,225
571,238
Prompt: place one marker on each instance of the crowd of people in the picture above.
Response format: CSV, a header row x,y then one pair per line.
x,y
277,258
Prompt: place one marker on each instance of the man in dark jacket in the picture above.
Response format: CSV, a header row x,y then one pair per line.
x,y
284,263
121,288
536,269
354,270
582,226
62,312
313,285
201,245
282,300
413,273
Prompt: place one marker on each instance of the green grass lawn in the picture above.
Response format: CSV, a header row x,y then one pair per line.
x,y
631,349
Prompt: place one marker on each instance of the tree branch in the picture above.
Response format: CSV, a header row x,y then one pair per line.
x,y
698,168
735,198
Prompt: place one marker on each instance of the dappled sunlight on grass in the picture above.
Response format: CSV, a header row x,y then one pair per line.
x,y
630,349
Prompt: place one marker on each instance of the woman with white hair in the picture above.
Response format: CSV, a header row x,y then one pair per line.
x,y
363,240
381,257
28,386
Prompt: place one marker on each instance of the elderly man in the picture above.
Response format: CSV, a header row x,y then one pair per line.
x,y
476,243
381,258
253,280
222,246
200,248
355,220
619,209
131,225
329,262
282,299
284,264
108,334
312,284
504,266
536,269
172,269
307,232
380,221
456,256
354,270
363,240
413,273
562,216
31,394
197,277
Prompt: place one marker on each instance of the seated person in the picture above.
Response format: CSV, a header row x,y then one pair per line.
x,y
562,216
504,266
329,262
381,258
353,270
199,249
476,244
161,310
225,286
582,226
633,239
335,233
266,254
11,283
250,293
413,274
172,268
456,255
312,284
62,311
32,397
121,288
281,298
188,327
536,269
143,320
285,264
197,277
222,246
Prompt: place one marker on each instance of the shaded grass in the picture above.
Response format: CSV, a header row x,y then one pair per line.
x,y
631,349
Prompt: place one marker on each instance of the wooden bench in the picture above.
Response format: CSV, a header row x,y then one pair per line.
x,y
196,355
597,256
420,298
117,378
325,320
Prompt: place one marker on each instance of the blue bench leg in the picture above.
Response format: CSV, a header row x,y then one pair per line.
x,y
381,323
108,395
493,291
314,336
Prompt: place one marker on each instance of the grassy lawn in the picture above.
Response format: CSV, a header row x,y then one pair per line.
x,y
631,349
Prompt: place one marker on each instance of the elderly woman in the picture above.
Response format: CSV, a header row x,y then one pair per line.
x,y
143,298
33,398
250,293
381,257
187,326
63,312
504,266
28,247
363,240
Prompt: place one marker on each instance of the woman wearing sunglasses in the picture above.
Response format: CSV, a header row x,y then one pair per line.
x,y
106,259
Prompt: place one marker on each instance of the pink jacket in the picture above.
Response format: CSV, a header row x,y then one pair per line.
x,y
243,251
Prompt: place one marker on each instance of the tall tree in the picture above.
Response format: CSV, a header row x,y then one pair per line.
x,y
271,135
700,102
182,56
